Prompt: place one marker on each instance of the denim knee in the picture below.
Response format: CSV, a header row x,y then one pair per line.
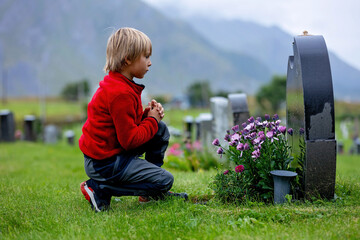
x,y
166,181
163,131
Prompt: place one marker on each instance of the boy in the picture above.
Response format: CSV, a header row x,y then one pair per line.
x,y
118,131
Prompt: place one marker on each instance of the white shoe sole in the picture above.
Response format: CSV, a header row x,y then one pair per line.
x,y
92,197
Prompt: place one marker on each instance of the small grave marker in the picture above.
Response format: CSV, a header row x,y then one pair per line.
x,y
220,123
205,129
189,122
7,126
51,134
70,137
29,128
239,111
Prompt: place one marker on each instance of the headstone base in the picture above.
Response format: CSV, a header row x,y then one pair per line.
x,y
320,169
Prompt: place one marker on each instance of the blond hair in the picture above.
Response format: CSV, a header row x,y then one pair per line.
x,y
125,44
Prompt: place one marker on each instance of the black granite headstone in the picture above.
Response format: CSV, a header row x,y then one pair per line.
x,y
310,106
7,126
29,128
189,121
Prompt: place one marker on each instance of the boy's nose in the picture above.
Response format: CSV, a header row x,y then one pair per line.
x,y
149,64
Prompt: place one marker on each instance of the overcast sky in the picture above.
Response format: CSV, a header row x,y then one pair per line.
x,y
337,20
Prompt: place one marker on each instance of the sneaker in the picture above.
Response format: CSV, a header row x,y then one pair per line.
x,y
143,199
90,195
179,195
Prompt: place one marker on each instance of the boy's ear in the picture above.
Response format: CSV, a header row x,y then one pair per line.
x,y
127,61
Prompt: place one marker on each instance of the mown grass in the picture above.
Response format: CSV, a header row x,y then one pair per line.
x,y
54,108
40,199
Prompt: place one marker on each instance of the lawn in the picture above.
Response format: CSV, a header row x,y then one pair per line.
x,y
41,199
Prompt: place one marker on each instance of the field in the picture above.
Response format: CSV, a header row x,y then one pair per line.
x,y
41,199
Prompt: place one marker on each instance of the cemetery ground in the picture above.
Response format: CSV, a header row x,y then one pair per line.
x,y
41,199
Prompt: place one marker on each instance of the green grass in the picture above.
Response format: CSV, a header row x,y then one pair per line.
x,y
40,198
56,110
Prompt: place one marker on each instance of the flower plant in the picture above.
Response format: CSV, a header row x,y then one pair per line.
x,y
189,156
258,148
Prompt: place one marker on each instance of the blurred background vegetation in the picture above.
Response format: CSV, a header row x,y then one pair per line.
x,y
68,111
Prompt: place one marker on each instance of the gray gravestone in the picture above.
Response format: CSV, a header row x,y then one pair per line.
x,y
239,111
220,123
29,128
205,129
7,126
70,137
51,134
310,105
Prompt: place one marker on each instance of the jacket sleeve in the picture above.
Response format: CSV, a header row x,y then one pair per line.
x,y
124,111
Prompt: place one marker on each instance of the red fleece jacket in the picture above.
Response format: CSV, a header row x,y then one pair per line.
x,y
115,120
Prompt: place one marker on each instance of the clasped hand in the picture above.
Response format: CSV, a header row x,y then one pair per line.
x,y
155,110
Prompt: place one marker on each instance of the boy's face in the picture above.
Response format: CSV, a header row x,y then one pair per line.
x,y
139,67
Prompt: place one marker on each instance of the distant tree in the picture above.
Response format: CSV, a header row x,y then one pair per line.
x,y
163,99
271,96
75,91
223,93
199,94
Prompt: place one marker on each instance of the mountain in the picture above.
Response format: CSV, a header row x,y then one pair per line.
x,y
272,46
46,44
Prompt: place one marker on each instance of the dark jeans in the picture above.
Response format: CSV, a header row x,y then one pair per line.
x,y
126,174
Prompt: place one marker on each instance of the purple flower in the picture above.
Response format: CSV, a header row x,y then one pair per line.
x,y
227,137
251,120
276,117
216,142
256,154
233,143
226,172
290,131
282,129
246,146
267,117
270,134
259,119
235,137
235,128
220,150
262,136
301,131
252,135
257,140
258,123
245,131
250,127
239,168
240,147
244,125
